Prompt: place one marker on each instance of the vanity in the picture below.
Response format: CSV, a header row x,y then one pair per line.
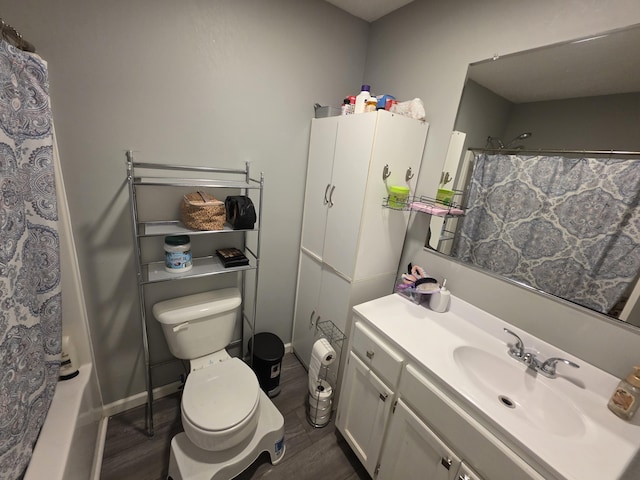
x,y
437,396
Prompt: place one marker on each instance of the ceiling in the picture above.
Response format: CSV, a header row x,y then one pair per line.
x,y
369,10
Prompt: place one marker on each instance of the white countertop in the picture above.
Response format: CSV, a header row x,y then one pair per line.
x,y
598,450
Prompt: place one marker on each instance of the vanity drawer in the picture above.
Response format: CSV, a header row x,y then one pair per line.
x,y
377,354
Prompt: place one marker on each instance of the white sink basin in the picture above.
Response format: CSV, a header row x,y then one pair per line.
x,y
522,392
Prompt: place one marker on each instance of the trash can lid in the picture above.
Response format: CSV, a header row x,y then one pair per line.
x,y
269,347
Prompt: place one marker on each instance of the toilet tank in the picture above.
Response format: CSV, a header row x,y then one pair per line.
x,y
200,324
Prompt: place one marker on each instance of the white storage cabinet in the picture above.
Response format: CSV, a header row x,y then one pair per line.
x,y
351,246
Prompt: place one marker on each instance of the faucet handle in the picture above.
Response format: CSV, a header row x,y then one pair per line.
x,y
518,349
548,367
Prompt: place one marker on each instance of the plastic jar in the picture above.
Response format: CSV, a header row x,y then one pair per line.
x,y
398,196
177,257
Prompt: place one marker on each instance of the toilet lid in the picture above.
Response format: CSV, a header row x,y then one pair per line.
x,y
220,396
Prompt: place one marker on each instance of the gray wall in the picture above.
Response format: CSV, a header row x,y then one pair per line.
x,y
224,81
432,43
214,82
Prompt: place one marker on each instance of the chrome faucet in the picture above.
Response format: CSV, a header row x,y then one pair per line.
x,y
517,350
546,368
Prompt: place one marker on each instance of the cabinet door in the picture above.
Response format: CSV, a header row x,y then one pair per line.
x,y
335,295
413,452
321,151
363,411
306,311
399,142
354,143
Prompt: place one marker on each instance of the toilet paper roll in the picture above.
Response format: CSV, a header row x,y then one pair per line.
x,y
323,351
322,355
321,391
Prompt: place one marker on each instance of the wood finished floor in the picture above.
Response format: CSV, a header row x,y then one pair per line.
x,y
311,453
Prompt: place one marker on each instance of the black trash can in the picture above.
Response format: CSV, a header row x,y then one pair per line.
x,y
267,361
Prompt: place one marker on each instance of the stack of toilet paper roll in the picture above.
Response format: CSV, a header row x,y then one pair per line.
x,y
320,391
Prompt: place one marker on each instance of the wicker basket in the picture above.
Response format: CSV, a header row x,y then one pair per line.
x,y
201,211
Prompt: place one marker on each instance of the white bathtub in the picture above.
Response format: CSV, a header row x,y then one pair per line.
x,y
70,443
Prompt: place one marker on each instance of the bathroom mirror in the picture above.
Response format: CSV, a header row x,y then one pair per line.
x,y
582,95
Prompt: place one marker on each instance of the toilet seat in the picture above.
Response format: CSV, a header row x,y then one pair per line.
x,y
220,404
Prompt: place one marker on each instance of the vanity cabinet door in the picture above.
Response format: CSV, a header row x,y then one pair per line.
x,y
363,411
413,452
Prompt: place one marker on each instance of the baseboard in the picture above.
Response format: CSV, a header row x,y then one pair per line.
x,y
138,399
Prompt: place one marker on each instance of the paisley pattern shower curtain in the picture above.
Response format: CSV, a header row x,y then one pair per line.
x,y
568,226
30,292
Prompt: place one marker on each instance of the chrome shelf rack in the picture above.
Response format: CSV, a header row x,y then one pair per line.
x,y
141,175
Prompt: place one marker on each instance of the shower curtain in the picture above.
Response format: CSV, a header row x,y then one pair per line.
x,y
568,226
30,292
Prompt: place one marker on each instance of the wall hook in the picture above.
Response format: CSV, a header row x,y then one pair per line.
x,y
386,173
409,175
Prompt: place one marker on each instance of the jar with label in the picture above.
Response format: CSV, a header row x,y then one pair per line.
x,y
177,257
626,397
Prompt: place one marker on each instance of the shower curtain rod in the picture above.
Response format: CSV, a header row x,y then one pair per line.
x,y
545,151
12,36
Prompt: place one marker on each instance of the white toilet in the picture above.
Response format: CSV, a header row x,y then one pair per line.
x,y
224,411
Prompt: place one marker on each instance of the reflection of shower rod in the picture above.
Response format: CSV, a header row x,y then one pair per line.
x,y
552,151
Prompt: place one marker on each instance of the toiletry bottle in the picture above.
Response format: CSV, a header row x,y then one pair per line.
x,y
361,98
345,107
439,302
68,367
626,397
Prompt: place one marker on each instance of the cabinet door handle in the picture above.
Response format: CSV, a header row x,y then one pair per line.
x,y
331,196
384,396
311,319
370,354
326,190
446,463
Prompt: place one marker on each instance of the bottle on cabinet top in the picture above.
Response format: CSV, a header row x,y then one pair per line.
x,y
361,98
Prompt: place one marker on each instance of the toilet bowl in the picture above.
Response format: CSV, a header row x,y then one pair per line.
x,y
220,405
228,421
220,401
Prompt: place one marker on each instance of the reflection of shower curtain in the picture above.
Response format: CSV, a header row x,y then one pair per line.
x,y
30,295
570,227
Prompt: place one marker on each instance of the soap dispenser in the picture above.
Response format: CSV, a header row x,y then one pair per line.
x,y
626,397
439,302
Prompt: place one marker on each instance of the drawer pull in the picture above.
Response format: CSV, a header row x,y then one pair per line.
x,y
384,396
370,354
446,463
